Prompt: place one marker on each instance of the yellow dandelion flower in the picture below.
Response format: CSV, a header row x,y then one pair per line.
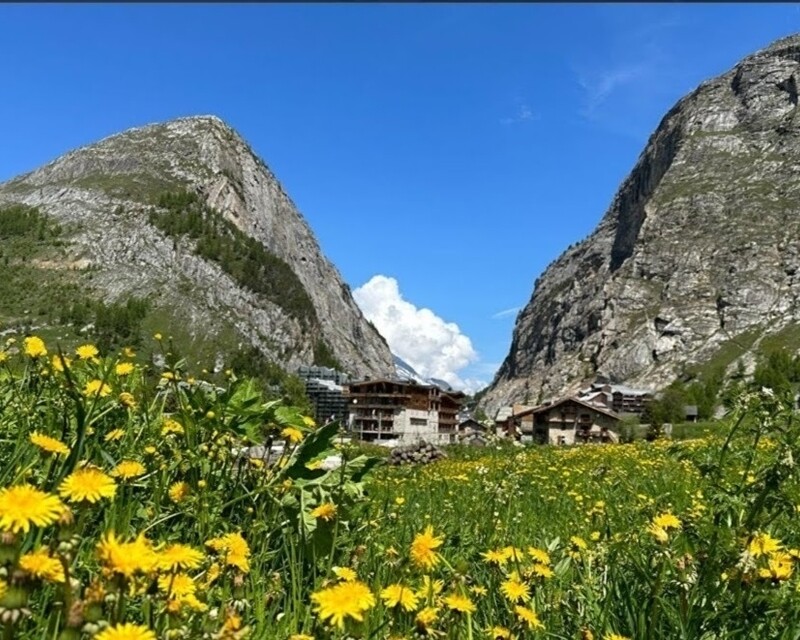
x,y
326,511
48,444
87,352
496,556
128,469
179,556
127,400
212,574
541,570
235,549
539,555
179,584
87,484
423,548
513,553
114,435
430,588
123,368
172,426
658,533
39,564
344,573
22,506
426,617
779,567
460,603
667,521
125,631
345,599
34,347
96,388
514,589
178,492
529,617
127,558
578,542
60,362
292,434
189,601
763,544
399,595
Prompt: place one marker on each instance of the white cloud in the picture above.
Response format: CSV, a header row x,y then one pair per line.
x,y
600,87
524,112
434,347
505,313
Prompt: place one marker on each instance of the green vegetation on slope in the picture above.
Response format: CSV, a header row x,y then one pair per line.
x,y
244,258
41,290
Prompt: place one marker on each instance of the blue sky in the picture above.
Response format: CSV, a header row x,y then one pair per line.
x,y
454,149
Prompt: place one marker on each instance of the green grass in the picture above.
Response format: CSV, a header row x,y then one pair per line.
x,y
726,354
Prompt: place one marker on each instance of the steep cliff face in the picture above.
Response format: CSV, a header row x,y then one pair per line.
x,y
106,193
697,260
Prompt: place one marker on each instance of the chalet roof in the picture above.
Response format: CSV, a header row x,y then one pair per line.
x,y
399,383
547,407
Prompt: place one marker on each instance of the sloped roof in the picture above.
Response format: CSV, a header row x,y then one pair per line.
x,y
547,407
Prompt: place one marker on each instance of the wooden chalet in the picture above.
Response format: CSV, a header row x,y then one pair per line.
x,y
386,409
566,421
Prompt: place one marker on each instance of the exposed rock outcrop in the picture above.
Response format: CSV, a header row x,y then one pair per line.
x,y
698,256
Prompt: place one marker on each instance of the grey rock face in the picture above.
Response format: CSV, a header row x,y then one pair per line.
x,y
106,190
700,246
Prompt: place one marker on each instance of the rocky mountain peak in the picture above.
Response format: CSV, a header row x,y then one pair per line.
x,y
109,191
694,263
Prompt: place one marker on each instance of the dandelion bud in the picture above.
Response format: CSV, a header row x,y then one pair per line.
x,y
75,615
8,538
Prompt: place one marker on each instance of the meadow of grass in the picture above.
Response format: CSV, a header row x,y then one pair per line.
x,y
129,511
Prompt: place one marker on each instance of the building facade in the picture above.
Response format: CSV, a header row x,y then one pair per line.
x,y
388,410
617,398
325,389
566,421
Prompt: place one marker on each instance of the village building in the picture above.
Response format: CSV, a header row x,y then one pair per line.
x,y
617,398
325,388
566,421
402,411
470,431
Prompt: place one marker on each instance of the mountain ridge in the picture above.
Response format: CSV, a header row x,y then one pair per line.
x,y
666,281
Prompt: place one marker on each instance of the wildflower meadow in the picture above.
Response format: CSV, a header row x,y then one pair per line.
x,y
132,507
